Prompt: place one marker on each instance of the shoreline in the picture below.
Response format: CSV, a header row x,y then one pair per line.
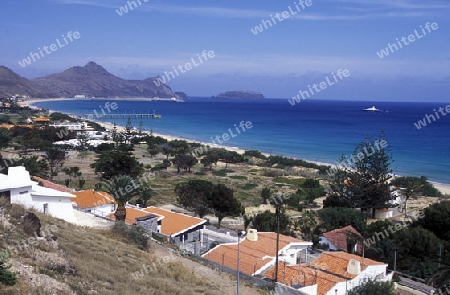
x,y
442,187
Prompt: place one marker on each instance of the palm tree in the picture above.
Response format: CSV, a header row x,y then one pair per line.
x,y
147,192
118,188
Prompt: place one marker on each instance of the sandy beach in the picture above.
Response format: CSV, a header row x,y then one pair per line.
x,y
120,128
442,187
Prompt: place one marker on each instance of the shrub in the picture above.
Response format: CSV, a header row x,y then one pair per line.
x,y
222,172
138,235
241,177
135,234
16,211
6,277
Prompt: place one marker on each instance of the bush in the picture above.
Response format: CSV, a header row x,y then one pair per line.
x,y
373,287
272,172
16,211
139,236
6,277
294,181
240,177
222,172
136,234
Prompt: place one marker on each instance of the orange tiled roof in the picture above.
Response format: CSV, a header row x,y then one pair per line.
x,y
290,275
253,255
174,223
91,198
337,262
132,214
42,119
339,237
9,126
328,270
49,184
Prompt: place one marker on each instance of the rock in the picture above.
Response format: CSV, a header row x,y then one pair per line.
x,y
32,224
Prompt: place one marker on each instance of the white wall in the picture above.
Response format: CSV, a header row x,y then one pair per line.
x,y
310,290
324,240
21,199
290,254
373,272
57,207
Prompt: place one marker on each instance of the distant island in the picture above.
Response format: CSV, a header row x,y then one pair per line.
x,y
240,94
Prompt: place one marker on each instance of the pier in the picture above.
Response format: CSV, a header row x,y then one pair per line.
x,y
96,115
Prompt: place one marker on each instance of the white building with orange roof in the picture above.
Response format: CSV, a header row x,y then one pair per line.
x,y
178,228
97,202
258,252
333,273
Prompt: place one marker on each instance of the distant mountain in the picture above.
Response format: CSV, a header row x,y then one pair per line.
x,y
11,84
91,80
240,94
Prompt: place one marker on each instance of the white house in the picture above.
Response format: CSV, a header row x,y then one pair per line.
x,y
333,273
20,189
257,252
96,202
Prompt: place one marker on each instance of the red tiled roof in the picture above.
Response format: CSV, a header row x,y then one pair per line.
x,y
338,237
253,255
52,185
91,198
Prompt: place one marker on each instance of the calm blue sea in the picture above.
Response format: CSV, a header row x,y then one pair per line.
x,y
312,130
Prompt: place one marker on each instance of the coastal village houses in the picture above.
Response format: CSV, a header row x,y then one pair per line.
x,y
177,228
333,273
257,252
346,239
20,189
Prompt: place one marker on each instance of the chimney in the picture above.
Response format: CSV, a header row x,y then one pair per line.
x,y
354,267
252,235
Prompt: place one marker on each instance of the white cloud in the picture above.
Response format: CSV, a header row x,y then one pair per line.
x,y
372,8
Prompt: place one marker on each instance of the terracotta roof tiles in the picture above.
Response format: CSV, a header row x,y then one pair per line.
x,y
338,237
90,199
52,185
175,223
253,255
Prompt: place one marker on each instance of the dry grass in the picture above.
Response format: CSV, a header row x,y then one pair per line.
x,y
86,261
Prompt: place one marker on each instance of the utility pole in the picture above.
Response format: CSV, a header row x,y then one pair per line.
x,y
240,233
277,210
395,259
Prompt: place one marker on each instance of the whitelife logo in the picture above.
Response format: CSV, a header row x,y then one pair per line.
x,y
322,85
131,5
266,24
169,75
411,38
53,47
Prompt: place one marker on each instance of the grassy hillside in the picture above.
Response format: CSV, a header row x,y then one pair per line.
x,y
87,261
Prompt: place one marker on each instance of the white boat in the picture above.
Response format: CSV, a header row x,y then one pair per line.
x,y
372,109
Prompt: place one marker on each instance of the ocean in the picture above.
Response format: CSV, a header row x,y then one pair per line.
x,y
315,130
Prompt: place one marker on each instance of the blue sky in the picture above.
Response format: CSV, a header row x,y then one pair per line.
x,y
280,61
